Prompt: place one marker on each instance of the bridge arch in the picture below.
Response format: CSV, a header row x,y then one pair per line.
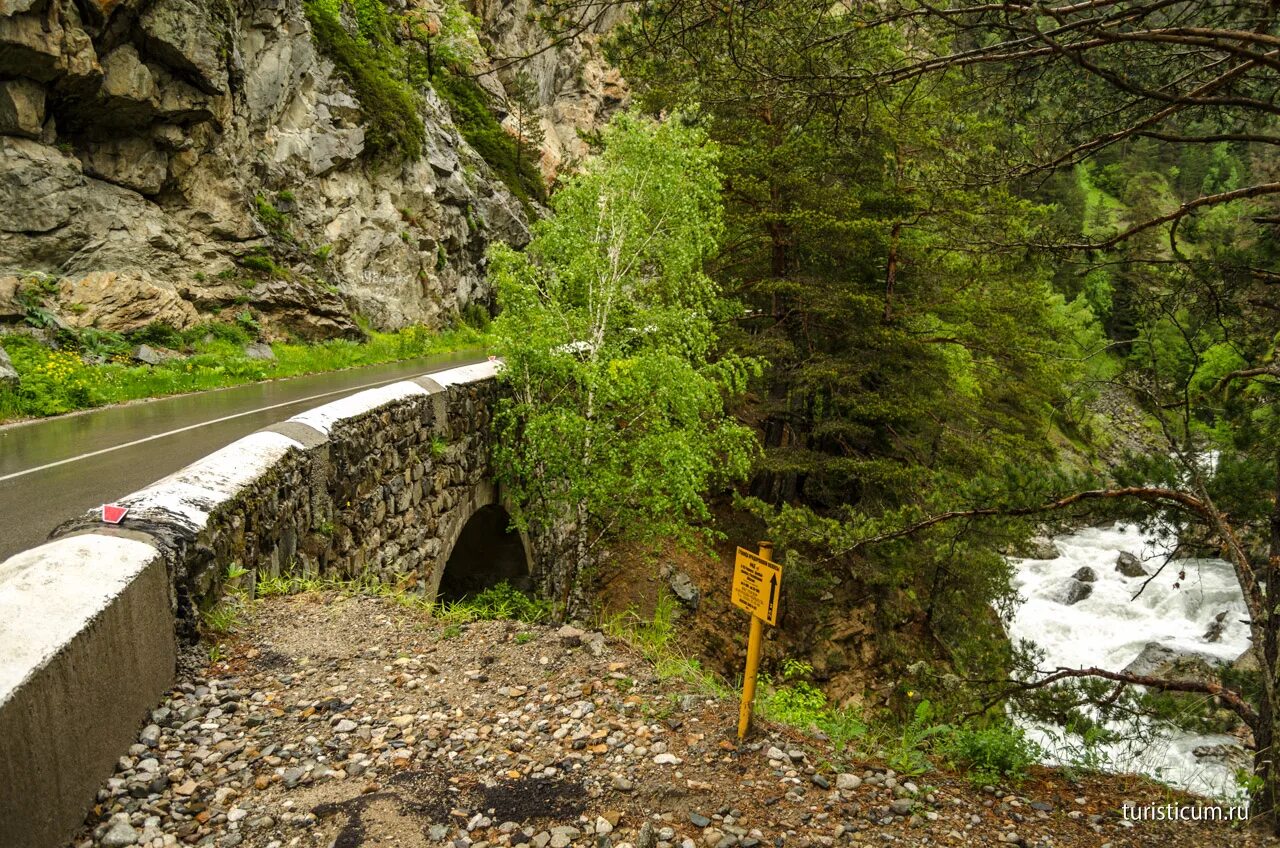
x,y
479,547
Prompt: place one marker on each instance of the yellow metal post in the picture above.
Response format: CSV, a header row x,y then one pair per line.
x,y
753,659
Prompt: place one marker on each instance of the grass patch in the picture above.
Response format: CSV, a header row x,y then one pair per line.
x,y
223,618
501,602
655,639
57,381
798,703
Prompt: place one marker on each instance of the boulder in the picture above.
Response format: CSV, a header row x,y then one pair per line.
x,y
122,301
1129,565
148,355
260,351
1038,547
1158,660
21,108
1085,574
1073,592
685,590
1248,661
11,309
9,378
1216,627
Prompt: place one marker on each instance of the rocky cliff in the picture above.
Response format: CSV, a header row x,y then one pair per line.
x,y
173,160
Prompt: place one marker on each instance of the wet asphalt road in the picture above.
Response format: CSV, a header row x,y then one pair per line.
x,y
58,468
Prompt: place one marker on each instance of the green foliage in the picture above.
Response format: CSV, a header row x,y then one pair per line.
x,y
223,618
998,754
272,218
262,262
369,61
656,639
514,163
908,753
502,602
800,704
916,352
614,416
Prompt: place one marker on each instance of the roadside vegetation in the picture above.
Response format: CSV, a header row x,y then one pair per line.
x,y
93,368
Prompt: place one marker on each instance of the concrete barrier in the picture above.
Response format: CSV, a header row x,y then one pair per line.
x,y
90,622
86,648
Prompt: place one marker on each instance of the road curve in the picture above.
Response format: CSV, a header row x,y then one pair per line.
x,y
57,468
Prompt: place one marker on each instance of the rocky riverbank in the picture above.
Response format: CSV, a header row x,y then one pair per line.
x,y
349,721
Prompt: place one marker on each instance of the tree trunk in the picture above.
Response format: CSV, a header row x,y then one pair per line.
x,y
891,273
1266,801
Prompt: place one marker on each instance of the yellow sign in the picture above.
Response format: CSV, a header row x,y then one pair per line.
x,y
756,584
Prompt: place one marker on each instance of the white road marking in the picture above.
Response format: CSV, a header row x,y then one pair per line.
x,y
146,439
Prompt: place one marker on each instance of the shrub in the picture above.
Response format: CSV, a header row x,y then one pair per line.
x,y
157,334
994,754
802,705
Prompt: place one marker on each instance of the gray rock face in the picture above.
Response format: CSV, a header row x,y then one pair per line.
x,y
177,120
1085,574
1129,565
21,108
1073,592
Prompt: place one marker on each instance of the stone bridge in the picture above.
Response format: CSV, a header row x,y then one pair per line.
x,y
392,483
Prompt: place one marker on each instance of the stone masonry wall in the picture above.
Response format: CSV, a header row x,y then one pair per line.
x,y
378,485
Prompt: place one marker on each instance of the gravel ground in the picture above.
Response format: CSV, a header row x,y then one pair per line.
x,y
345,722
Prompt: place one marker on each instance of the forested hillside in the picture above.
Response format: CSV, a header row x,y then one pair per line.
x,y
996,266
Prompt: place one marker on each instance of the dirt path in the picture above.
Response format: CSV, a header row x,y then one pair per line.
x,y
355,723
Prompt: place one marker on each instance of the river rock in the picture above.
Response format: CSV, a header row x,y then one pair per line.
x,y
1085,574
1233,756
1216,627
1040,547
1073,591
1129,565
1158,660
120,833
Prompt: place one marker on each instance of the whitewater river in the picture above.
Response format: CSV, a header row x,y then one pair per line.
x,y
1109,629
